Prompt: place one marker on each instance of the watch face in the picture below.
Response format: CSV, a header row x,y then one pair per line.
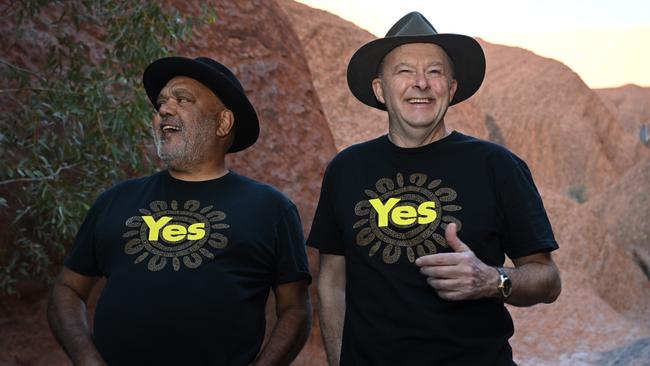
x,y
507,287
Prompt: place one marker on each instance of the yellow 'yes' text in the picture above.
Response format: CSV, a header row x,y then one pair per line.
x,y
404,215
173,233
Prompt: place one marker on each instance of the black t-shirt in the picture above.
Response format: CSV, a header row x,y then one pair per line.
x,y
189,266
382,206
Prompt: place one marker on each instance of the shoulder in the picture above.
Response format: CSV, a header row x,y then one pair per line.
x,y
127,189
491,151
357,153
122,190
262,192
133,184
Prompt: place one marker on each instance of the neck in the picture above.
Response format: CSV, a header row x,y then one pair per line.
x,y
199,172
410,138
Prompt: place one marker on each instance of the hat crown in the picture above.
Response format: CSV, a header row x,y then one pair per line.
x,y
222,69
412,24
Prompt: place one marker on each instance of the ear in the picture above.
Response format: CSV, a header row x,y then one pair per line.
x,y
453,86
226,121
378,89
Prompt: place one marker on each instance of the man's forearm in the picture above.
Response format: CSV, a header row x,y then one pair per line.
x,y
332,315
66,314
534,283
287,337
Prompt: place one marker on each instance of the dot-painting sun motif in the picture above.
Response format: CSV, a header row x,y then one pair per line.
x,y
185,234
414,239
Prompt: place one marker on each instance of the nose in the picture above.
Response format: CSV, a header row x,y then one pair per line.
x,y
168,108
420,81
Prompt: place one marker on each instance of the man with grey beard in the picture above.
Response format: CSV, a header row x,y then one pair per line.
x,y
190,253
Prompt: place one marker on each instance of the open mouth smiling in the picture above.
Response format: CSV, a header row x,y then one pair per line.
x,y
170,128
419,100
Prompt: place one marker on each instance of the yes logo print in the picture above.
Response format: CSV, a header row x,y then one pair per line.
x,y
166,233
403,216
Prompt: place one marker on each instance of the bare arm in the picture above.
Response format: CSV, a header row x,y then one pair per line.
x,y
535,279
291,331
66,313
331,293
462,276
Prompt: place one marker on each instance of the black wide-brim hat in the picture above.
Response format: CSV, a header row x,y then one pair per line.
x,y
217,78
464,51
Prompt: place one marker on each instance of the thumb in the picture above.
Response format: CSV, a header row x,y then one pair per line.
x,y
453,240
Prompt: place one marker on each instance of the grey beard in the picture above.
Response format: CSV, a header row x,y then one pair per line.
x,y
185,156
179,159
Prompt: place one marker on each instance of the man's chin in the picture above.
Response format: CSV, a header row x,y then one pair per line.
x,y
177,166
171,161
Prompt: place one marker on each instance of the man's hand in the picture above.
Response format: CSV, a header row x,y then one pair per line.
x,y
459,275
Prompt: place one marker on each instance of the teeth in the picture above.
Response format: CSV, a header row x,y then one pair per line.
x,y
170,128
419,100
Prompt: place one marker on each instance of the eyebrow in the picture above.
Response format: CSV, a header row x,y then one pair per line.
x,y
434,63
402,64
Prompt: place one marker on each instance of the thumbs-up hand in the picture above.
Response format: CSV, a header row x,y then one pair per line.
x,y
453,241
459,275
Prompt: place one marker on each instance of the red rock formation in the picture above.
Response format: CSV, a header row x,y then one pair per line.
x,y
630,104
577,142
603,296
623,212
329,43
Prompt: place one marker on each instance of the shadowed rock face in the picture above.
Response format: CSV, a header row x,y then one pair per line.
x,y
329,43
623,212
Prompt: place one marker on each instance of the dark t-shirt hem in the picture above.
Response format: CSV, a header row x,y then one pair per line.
x,y
293,277
83,272
325,250
545,246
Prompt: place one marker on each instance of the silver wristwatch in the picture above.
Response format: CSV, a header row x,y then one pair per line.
x,y
505,285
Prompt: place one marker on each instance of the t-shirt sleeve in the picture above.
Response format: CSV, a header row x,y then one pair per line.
x,y
325,234
291,256
527,229
82,258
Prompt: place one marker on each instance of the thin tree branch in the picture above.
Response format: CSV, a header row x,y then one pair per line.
x,y
17,90
37,179
3,61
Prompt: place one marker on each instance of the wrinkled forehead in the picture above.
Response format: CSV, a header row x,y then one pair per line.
x,y
184,82
188,85
417,53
